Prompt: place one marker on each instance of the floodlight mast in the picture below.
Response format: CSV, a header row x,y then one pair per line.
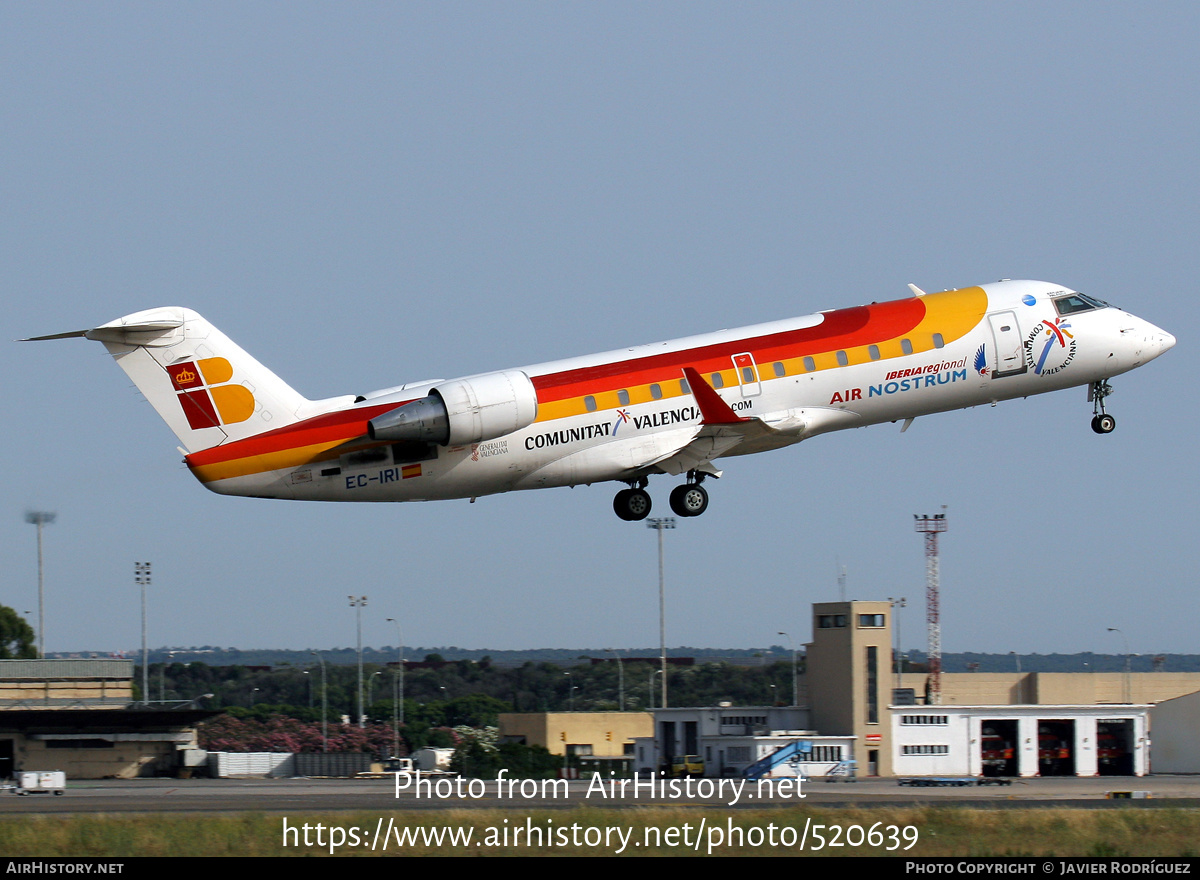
x,y
658,524
931,527
40,518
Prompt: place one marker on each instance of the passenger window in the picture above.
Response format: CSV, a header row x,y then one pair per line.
x,y
683,386
590,403
656,392
810,364
780,372
938,342
906,346
717,381
623,397
843,360
747,374
873,351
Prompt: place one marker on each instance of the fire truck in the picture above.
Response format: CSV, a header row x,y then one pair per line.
x,y
997,753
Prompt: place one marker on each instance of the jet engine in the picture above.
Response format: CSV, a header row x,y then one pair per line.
x,y
462,411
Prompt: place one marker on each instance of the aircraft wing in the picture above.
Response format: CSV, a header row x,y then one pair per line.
x,y
721,429
710,443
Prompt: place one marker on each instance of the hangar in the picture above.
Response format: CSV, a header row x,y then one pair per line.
x,y
78,715
1039,740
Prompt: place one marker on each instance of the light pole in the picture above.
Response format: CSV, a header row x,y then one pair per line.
x,y
795,681
324,705
1128,684
902,602
358,603
398,683
141,577
40,518
658,524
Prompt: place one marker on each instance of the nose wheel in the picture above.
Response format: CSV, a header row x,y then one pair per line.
x,y
1102,422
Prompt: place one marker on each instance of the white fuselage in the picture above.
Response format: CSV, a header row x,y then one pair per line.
x,y
1003,340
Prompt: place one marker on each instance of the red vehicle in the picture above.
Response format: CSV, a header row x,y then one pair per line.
x,y
1109,749
1054,752
996,752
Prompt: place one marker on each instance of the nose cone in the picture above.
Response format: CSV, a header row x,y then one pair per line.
x,y
1154,342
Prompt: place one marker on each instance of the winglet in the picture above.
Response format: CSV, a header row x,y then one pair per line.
x,y
713,410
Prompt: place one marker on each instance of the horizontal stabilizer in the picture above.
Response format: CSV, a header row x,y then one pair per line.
x,y
205,387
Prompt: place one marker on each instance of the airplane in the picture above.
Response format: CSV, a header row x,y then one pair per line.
x,y
622,416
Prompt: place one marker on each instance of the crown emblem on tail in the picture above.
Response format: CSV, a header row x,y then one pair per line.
x,y
207,396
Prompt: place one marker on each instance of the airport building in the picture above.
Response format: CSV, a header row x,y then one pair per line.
x,y
78,716
736,741
1020,740
1174,723
594,737
856,717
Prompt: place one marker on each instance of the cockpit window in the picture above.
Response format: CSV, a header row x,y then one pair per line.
x,y
1077,302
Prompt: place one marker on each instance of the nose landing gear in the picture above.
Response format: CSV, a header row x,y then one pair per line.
x,y
1102,422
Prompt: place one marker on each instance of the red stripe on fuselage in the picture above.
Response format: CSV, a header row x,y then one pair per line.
x,y
844,328
337,426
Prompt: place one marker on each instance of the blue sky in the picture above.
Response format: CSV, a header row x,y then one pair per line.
x,y
368,194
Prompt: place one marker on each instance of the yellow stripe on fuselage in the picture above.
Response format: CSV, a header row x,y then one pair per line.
x,y
953,313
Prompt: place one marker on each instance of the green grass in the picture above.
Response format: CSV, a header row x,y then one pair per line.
x,y
939,831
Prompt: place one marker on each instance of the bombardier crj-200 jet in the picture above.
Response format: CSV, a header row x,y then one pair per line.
x,y
623,416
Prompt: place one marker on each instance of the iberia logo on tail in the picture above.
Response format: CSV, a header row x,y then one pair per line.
x,y
207,400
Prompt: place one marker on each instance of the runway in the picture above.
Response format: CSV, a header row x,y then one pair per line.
x,y
379,794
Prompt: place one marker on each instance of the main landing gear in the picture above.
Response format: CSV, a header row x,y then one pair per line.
x,y
632,504
1102,422
690,499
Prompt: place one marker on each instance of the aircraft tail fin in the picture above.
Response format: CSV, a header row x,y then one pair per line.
x,y
205,387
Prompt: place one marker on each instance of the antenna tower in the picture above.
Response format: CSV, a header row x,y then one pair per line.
x,y
931,527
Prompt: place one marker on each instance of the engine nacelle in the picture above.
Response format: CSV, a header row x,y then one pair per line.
x,y
462,411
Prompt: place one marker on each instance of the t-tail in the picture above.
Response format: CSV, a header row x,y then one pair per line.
x,y
204,385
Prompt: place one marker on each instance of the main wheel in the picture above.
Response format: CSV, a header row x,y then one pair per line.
x,y
690,499
632,504
1104,424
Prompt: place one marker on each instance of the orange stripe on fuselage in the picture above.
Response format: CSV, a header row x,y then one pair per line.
x,y
951,313
289,446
